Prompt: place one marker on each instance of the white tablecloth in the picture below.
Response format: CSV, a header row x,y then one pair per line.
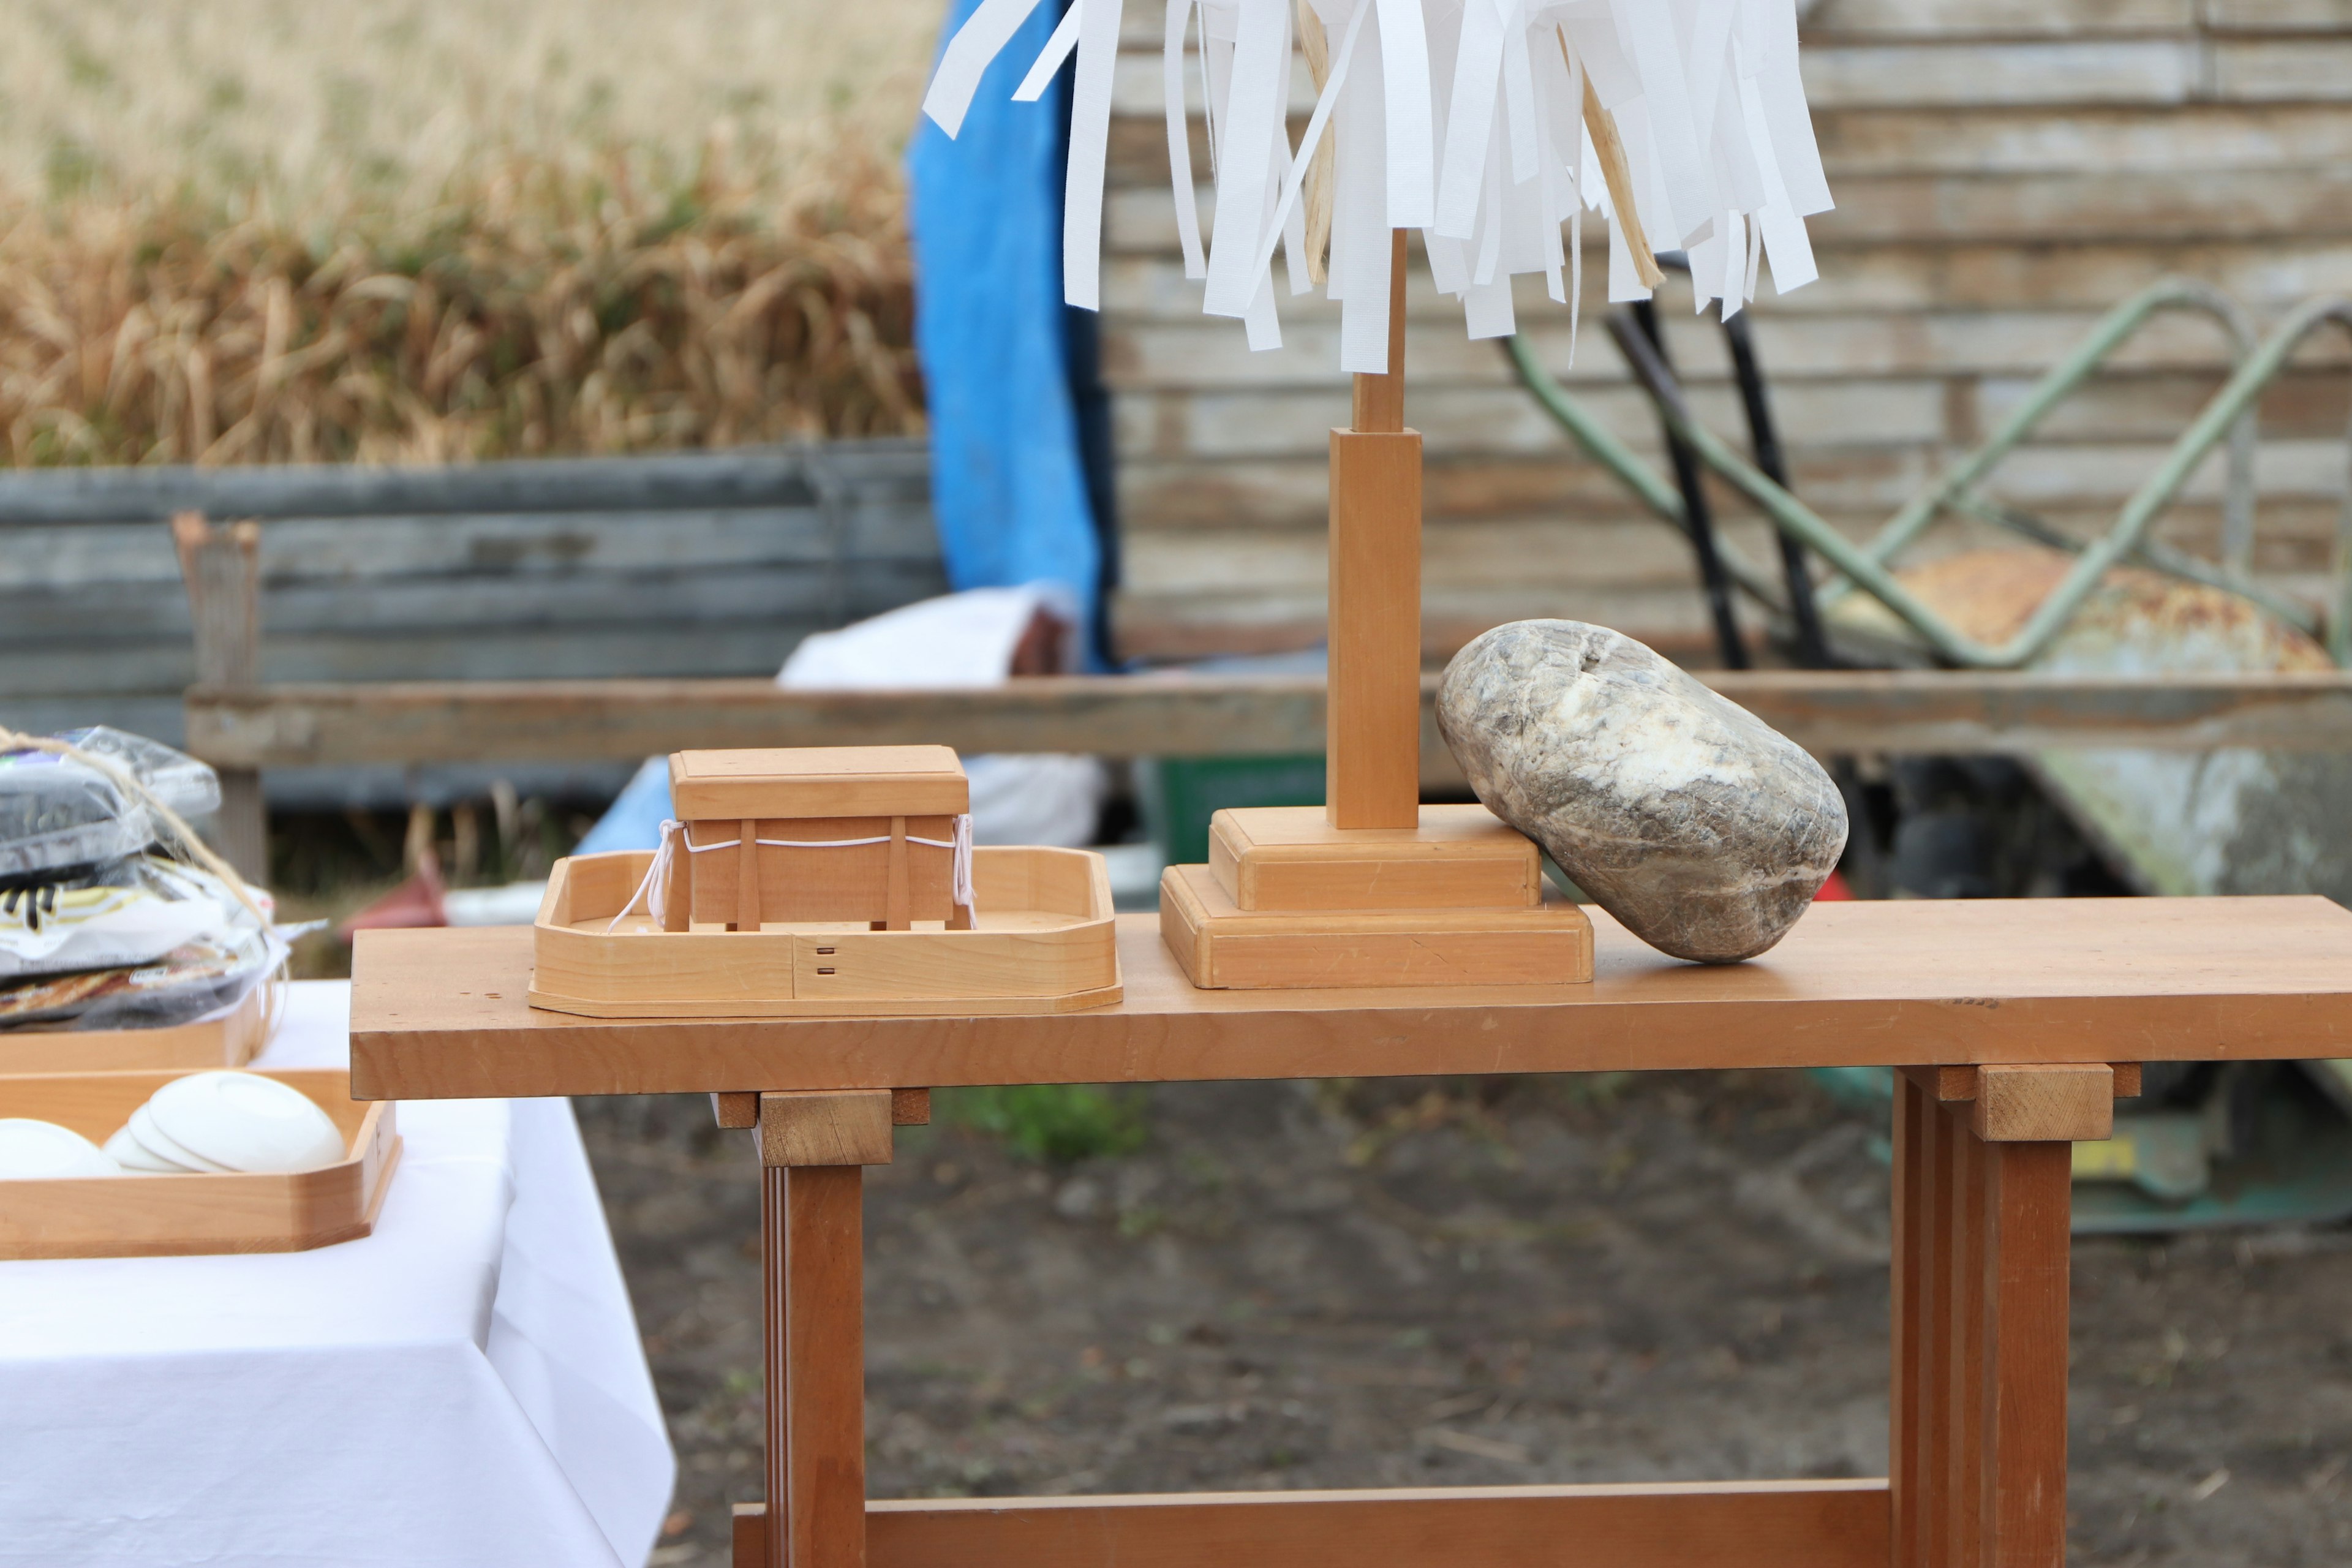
x,y
464,1386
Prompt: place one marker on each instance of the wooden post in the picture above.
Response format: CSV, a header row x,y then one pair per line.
x,y
1965,1363
1982,1201
1371,907
812,1151
1935,1509
2028,1199
222,569
1914,1186
1373,776
811,1219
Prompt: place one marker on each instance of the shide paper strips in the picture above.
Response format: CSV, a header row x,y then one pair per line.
x,y
1486,124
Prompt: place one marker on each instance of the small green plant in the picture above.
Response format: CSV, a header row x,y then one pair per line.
x,y
1057,1123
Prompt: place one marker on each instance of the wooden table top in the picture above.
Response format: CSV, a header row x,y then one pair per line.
x,y
440,1013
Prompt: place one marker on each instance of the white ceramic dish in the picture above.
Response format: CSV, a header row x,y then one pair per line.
x,y
240,1121
137,1160
34,1150
159,1144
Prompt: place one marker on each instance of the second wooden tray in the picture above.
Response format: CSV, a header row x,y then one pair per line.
x,y
158,1217
231,1040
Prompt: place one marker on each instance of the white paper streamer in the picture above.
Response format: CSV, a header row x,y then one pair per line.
x,y
1410,121
1470,120
975,46
1296,177
1584,196
1463,118
1179,144
1082,190
1254,102
1058,48
1361,243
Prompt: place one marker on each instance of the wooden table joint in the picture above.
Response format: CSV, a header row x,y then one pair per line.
x,y
826,1127
738,1110
2033,1102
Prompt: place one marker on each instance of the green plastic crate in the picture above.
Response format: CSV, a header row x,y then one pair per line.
x,y
1180,793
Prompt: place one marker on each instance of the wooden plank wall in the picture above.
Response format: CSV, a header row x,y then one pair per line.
x,y
2006,170
697,565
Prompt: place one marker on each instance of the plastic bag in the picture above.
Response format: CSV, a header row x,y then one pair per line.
x,y
57,812
140,943
200,978
112,914
126,912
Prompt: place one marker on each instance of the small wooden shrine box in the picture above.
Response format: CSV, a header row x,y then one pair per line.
x,y
847,835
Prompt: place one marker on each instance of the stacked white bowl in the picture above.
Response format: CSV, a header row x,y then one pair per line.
x,y
33,1151
207,1121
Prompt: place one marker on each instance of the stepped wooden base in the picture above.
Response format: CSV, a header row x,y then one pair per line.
x,y
1291,858
1222,946
1287,901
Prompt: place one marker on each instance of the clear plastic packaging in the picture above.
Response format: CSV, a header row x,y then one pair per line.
x,y
111,914
59,812
192,982
120,914
141,943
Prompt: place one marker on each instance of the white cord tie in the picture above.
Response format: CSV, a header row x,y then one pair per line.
x,y
654,890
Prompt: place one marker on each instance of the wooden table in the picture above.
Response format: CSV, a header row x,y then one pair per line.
x,y
2017,1023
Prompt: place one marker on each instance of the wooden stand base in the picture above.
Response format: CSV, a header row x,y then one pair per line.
x,y
1221,946
1289,901
1291,858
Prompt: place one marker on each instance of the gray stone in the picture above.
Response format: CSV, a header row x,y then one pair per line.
x,y
1704,830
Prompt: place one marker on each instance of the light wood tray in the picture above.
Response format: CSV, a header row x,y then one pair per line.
x,y
160,1216
1046,942
230,1040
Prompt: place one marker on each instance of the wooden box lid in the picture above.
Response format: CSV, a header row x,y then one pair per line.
x,y
818,781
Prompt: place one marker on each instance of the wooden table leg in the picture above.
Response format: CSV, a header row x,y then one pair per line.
x,y
1915,1337
813,1148
1983,1173
811,1220
2029,1209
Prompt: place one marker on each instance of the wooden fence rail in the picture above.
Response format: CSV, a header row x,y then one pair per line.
x,y
1858,711
695,563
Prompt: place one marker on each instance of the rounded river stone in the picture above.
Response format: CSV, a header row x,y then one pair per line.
x,y
1704,830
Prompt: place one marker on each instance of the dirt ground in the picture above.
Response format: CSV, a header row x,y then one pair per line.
x,y
1557,1280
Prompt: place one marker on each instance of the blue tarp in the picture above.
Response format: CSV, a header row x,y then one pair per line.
x,y
633,821
1008,480
1008,473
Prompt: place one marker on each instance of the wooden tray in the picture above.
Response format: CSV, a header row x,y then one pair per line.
x,y
1044,943
164,1216
230,1040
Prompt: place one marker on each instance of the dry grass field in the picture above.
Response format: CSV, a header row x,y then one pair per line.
x,y
259,230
